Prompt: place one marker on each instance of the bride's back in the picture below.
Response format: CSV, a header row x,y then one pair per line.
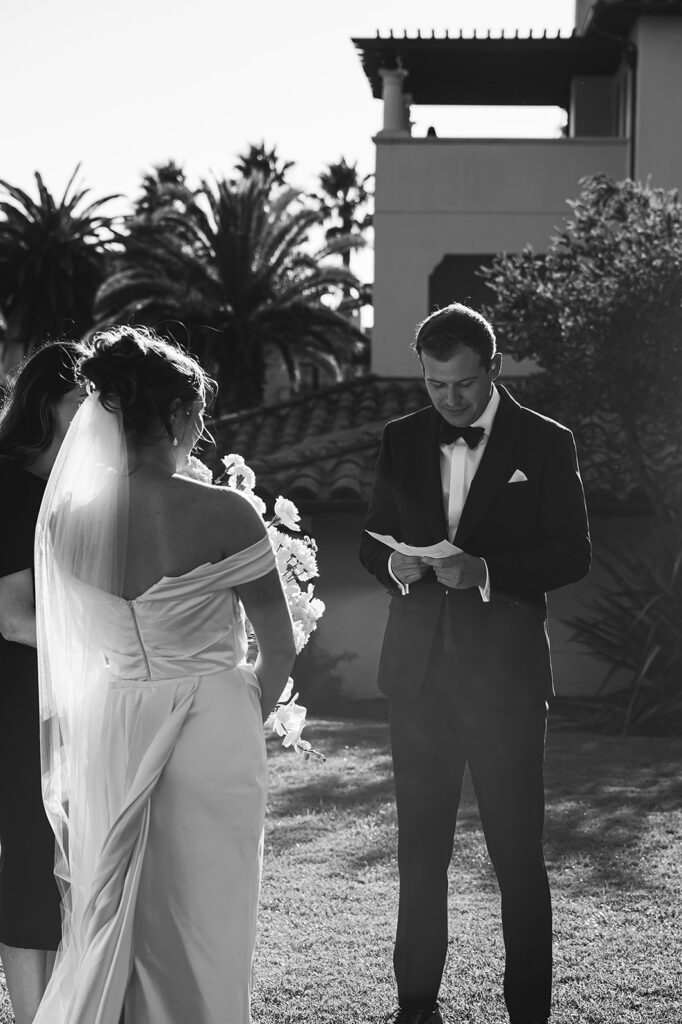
x,y
174,524
171,530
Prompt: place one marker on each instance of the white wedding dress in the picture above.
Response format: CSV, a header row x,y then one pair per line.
x,y
155,782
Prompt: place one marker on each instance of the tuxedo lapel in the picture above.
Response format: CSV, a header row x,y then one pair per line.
x,y
494,467
427,476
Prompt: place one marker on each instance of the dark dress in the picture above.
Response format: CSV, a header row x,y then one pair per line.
x,y
29,899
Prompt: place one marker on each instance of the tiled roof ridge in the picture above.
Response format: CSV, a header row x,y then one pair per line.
x,y
311,396
341,442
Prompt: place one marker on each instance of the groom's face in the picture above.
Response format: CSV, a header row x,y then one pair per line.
x,y
460,387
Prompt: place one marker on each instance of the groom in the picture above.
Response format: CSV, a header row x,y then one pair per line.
x,y
465,659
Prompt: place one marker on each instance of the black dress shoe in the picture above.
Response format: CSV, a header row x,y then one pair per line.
x,y
405,1016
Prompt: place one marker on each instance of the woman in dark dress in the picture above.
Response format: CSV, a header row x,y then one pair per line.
x,y
39,405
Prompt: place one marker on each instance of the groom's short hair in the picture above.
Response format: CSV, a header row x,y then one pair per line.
x,y
441,333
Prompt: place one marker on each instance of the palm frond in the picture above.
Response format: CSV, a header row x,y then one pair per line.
x,y
53,257
341,243
22,201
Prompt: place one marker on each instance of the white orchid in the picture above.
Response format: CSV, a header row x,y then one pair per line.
x,y
239,475
288,721
232,462
242,479
287,513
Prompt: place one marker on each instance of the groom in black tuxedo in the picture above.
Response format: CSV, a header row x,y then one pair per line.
x,y
465,659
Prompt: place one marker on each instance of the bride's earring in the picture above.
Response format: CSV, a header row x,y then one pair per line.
x,y
174,442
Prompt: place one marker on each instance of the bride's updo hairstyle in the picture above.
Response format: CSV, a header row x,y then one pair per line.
x,y
136,371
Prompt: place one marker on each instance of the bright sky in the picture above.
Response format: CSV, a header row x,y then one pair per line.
x,y
119,86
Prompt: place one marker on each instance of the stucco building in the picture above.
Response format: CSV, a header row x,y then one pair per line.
x,y
445,206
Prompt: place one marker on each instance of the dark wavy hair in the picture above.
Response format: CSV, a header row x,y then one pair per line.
x,y
33,389
441,334
136,371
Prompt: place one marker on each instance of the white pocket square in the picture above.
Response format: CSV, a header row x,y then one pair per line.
x,y
517,477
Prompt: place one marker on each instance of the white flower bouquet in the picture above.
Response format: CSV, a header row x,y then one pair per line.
x,y
297,564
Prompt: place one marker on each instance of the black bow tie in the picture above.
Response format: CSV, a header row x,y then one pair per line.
x,y
448,434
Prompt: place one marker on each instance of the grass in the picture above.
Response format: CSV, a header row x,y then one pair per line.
x,y
613,846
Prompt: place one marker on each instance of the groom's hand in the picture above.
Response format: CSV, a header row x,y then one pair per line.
x,y
459,572
408,568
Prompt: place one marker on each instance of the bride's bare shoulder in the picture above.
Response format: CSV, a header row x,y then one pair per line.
x,y
228,515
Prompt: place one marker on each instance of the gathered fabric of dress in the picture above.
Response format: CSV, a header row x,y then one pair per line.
x,y
154,778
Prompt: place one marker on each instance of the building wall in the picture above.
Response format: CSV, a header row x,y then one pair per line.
x,y
658,118
596,102
436,197
582,8
349,635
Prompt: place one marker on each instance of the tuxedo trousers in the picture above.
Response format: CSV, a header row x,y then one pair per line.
x,y
433,738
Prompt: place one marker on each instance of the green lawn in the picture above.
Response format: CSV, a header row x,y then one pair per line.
x,y
614,853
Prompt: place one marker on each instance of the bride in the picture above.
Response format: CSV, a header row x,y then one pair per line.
x,y
154,771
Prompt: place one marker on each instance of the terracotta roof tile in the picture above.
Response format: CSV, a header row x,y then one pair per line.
x,y
320,448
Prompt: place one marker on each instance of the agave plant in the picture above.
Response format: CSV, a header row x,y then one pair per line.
x,y
53,257
229,271
636,626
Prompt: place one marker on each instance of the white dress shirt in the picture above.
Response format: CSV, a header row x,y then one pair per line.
x,y
458,465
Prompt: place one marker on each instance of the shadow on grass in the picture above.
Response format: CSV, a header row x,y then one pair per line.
x,y
605,799
348,792
345,805
602,796
356,734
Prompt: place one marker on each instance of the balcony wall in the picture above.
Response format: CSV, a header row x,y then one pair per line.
x,y
658,132
436,197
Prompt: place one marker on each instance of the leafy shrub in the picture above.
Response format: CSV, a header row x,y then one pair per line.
x,y
601,314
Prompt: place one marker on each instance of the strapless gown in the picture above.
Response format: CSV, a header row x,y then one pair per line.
x,y
163,922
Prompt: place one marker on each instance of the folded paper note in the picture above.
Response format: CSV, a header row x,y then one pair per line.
x,y
441,550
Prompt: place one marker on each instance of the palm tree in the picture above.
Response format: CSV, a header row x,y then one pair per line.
x,y
265,162
165,184
231,274
344,194
53,258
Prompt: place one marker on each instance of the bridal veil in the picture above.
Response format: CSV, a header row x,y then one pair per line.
x,y
80,553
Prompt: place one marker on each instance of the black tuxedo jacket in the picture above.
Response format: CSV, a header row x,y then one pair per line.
x,y
533,535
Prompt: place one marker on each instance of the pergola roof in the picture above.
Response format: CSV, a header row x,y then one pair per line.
x,y
619,15
482,71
